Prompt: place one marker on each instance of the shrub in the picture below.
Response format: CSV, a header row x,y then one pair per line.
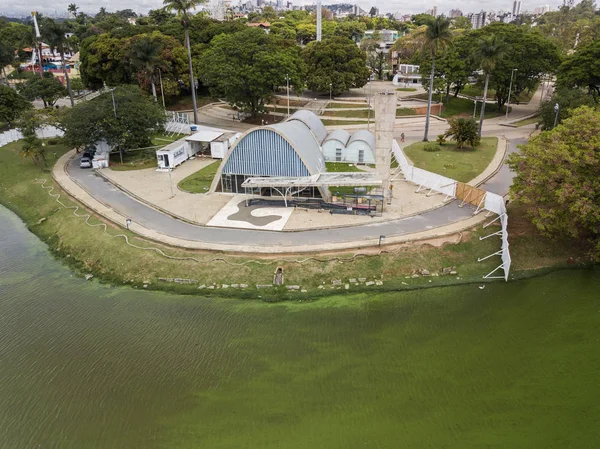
x,y
441,139
464,131
431,147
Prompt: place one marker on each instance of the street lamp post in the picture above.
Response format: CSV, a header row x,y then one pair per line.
x,y
287,80
509,91
475,107
330,88
128,222
171,182
162,92
369,108
556,109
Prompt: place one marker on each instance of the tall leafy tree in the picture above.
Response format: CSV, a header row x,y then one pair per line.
x,y
73,9
437,37
12,104
182,7
336,61
568,100
488,51
7,57
129,125
246,67
582,69
54,35
48,88
377,58
557,179
145,53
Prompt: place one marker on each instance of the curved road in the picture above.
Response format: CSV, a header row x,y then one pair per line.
x,y
141,213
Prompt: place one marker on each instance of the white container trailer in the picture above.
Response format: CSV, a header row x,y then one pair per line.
x,y
172,155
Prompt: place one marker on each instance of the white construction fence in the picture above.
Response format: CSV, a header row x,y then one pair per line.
x,y
491,202
12,135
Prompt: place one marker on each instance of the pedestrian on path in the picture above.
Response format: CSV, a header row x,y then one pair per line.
x,y
402,137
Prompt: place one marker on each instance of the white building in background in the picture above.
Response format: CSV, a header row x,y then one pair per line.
x,y
540,10
516,8
479,20
358,148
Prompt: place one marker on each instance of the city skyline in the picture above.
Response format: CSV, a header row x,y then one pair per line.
x,y
143,6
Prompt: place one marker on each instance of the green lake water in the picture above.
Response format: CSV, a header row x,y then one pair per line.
x,y
87,366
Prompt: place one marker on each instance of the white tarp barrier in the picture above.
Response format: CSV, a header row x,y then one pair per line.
x,y
423,178
447,186
12,135
494,203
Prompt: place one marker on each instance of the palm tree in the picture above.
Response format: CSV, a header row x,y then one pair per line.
x,y
54,35
488,52
73,9
437,37
182,7
145,52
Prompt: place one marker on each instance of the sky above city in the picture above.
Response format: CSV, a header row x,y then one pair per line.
x,y
404,6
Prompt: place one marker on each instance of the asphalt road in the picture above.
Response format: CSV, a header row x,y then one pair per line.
x,y
165,224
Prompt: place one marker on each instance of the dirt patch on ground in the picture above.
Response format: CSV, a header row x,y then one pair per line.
x,y
263,119
284,102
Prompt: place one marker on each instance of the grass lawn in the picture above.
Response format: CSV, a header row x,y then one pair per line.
x,y
527,121
185,103
327,122
405,111
406,89
462,165
340,105
361,113
142,159
284,102
338,167
474,90
200,181
462,107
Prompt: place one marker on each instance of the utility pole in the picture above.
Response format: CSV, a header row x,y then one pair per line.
x,y
162,92
556,109
287,81
38,42
509,91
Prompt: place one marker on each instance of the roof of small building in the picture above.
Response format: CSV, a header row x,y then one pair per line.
x,y
299,135
340,135
259,24
364,136
313,122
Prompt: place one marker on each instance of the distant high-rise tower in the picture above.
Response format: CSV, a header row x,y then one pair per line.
x,y
516,8
318,20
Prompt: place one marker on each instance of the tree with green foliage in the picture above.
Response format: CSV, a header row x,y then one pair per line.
x,y
336,61
568,100
7,56
104,59
422,19
48,88
247,67
77,85
159,16
557,179
461,23
524,49
72,8
12,105
582,69
33,148
351,29
377,58
489,51
464,131
145,53
283,30
437,37
137,117
182,7
54,35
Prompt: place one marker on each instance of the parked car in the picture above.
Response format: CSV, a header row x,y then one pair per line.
x,y
86,162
